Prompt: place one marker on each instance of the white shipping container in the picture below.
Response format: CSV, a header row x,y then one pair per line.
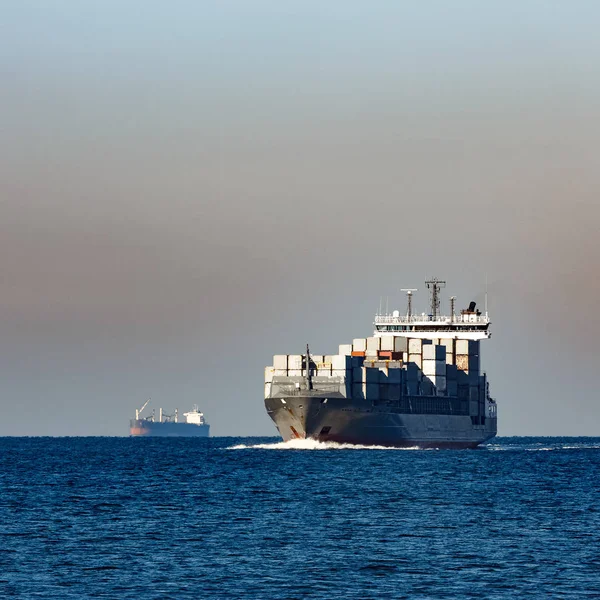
x,y
414,346
373,343
280,361
328,360
415,358
268,374
449,358
448,343
267,389
324,371
294,372
461,347
387,343
294,361
341,362
280,372
317,358
400,344
434,367
359,345
405,357
341,373
429,352
345,349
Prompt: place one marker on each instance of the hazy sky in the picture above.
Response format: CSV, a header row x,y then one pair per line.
x,y
187,188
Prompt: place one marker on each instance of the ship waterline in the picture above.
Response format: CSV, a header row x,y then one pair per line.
x,y
144,428
351,422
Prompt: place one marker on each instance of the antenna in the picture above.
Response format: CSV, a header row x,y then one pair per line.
x,y
434,285
486,294
387,301
409,293
452,305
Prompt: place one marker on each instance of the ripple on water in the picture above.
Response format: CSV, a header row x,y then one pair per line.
x,y
246,518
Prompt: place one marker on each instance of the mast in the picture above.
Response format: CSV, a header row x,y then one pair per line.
x,y
138,411
409,293
308,378
486,295
434,285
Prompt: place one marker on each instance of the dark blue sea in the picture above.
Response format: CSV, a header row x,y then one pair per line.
x,y
250,518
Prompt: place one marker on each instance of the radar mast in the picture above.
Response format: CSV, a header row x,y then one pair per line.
x,y
409,293
434,285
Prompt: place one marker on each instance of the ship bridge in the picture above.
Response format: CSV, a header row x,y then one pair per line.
x,y
469,324
465,327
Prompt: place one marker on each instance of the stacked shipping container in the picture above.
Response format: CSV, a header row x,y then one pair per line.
x,y
387,368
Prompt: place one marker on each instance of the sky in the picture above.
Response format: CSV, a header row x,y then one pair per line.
x,y
187,188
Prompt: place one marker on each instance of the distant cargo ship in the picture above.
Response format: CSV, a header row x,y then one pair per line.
x,y
415,382
193,425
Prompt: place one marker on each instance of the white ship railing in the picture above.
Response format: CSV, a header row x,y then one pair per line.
x,y
440,320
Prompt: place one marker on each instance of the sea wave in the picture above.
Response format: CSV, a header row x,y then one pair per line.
x,y
310,444
538,448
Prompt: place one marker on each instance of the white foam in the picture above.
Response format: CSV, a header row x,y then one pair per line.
x,y
310,444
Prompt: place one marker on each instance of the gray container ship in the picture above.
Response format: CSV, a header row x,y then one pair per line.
x,y
193,424
416,382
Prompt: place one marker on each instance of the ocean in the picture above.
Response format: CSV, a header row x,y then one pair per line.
x,y
253,518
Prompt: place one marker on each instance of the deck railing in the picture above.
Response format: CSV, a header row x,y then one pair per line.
x,y
429,319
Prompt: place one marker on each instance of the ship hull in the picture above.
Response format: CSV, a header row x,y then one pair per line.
x,y
342,420
143,428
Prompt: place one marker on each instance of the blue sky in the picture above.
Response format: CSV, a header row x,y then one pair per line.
x,y
169,170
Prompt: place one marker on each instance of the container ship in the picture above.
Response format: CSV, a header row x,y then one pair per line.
x,y
417,382
193,424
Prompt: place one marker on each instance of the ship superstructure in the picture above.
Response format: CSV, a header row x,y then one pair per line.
x,y
416,382
190,424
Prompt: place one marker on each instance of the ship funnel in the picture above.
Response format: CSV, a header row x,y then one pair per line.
x,y
472,306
